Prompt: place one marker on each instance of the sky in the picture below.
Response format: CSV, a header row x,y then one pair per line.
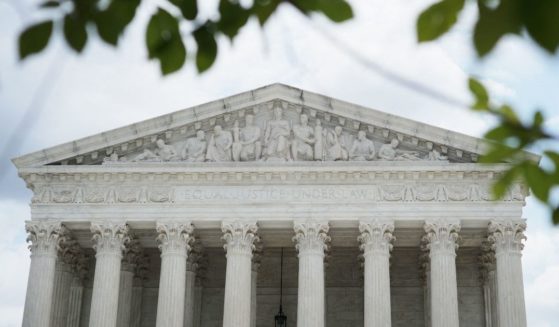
x,y
68,96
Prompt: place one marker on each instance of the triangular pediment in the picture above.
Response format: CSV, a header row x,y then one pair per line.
x,y
276,122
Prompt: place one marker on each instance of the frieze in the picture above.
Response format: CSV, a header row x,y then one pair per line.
x,y
387,192
274,131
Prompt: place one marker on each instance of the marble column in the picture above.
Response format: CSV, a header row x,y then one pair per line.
x,y
132,253
174,242
311,241
239,239
141,273
489,282
425,277
109,238
507,237
61,293
75,302
190,288
376,242
442,237
256,258
198,291
43,236
81,270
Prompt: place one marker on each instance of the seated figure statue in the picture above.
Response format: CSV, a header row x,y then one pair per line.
x,y
195,148
336,148
276,137
249,138
363,149
390,152
219,147
301,147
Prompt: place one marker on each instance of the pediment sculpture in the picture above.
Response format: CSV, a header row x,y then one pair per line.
x,y
280,140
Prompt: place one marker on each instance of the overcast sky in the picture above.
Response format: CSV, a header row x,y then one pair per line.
x,y
107,88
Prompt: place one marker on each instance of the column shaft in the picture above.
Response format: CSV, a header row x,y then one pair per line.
x,y
75,303
40,284
136,307
239,237
174,239
253,295
444,291
312,239
109,239
61,293
376,237
189,298
507,237
442,237
310,304
125,295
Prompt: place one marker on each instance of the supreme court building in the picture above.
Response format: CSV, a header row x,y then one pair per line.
x,y
190,219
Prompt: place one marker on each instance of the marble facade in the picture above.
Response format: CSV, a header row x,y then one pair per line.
x,y
179,221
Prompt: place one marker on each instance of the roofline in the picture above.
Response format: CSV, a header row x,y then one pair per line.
x,y
249,98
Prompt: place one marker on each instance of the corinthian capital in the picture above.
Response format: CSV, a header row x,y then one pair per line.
x,y
174,237
239,236
109,237
507,235
376,236
43,236
442,235
311,236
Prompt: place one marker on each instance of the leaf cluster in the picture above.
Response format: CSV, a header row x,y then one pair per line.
x,y
537,18
164,38
508,141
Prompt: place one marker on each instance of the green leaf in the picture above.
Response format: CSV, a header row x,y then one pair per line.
x,y
501,186
74,32
232,17
537,180
35,38
499,133
480,93
555,216
498,153
542,22
538,118
263,9
554,156
207,48
438,19
508,113
113,20
189,8
164,41
495,23
337,10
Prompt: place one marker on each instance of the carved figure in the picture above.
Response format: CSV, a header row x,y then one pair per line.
x,y
237,147
163,152
363,149
389,151
277,135
301,147
318,144
435,155
335,145
219,147
195,148
250,140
